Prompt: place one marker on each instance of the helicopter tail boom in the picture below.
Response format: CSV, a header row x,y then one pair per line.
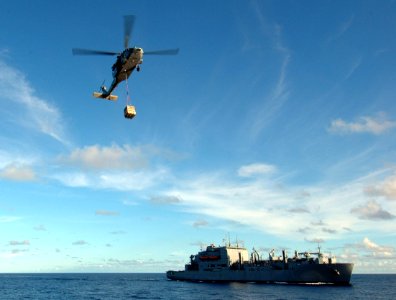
x,y
105,96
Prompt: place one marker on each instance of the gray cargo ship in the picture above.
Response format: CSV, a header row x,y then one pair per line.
x,y
232,263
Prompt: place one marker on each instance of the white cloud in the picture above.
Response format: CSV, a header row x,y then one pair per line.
x,y
17,173
115,157
375,125
377,250
385,189
107,158
256,204
130,203
369,244
122,180
256,169
124,168
74,179
33,112
14,159
271,206
368,256
372,211
130,181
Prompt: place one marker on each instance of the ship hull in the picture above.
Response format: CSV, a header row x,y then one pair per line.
x,y
339,274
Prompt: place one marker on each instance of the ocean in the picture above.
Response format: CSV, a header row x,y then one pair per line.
x,y
156,286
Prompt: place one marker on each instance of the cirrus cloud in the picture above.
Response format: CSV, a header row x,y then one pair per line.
x,y
269,204
39,114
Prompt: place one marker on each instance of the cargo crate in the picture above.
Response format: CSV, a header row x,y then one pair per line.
x,y
129,111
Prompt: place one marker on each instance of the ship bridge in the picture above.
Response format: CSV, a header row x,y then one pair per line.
x,y
218,257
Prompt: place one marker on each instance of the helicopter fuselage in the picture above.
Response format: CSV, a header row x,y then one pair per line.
x,y
126,62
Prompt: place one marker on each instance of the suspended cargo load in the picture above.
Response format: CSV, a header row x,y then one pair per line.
x,y
129,111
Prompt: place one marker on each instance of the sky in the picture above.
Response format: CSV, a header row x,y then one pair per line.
x,y
274,127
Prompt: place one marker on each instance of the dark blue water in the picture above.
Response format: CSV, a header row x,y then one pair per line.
x,y
156,286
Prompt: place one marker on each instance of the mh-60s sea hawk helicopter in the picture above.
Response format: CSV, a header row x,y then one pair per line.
x,y
127,60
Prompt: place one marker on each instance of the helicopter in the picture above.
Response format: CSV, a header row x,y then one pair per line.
x,y
127,60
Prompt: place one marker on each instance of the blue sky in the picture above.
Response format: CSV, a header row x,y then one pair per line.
x,y
275,125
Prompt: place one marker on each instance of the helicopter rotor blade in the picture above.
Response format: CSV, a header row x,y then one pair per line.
x,y
163,52
79,51
129,20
